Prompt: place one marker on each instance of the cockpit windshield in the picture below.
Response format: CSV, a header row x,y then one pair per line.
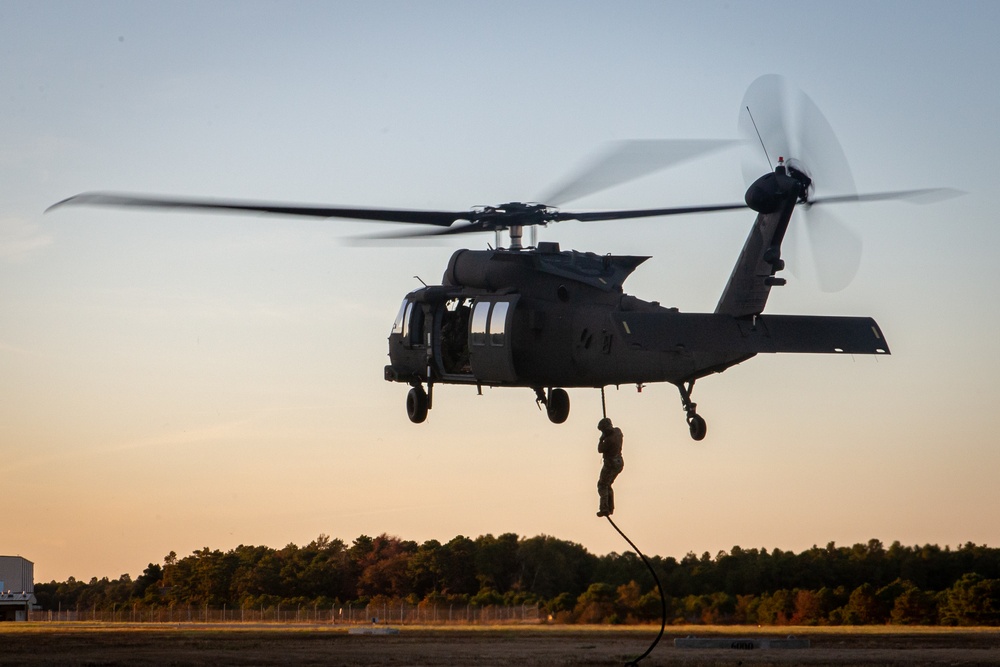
x,y
397,326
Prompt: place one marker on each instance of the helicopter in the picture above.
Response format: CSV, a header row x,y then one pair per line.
x,y
538,317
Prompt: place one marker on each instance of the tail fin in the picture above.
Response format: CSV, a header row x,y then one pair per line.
x,y
753,276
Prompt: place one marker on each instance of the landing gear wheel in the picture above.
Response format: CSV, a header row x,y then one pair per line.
x,y
416,405
557,405
697,426
696,423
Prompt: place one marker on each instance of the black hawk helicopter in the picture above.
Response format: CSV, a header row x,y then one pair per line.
x,y
548,319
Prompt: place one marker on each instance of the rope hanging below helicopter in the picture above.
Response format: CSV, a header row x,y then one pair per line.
x,y
663,599
607,515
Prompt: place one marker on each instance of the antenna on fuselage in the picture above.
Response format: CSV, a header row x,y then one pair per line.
x,y
760,139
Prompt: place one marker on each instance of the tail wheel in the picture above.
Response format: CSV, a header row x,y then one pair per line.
x,y
557,405
416,405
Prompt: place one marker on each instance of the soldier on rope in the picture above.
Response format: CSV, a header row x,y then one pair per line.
x,y
610,445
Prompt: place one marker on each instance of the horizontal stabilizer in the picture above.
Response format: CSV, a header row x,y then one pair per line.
x,y
818,334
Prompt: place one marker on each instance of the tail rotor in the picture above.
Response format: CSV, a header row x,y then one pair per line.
x,y
789,125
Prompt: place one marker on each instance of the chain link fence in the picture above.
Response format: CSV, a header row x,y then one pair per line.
x,y
396,613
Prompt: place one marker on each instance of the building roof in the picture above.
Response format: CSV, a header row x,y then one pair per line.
x,y
20,557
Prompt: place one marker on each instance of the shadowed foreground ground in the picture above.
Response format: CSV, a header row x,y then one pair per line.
x,y
198,644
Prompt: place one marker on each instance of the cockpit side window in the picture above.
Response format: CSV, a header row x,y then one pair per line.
x,y
406,321
415,321
410,323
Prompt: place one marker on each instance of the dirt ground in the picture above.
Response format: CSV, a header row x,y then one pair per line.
x,y
187,644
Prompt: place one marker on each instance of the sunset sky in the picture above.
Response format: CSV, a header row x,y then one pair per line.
x,y
173,381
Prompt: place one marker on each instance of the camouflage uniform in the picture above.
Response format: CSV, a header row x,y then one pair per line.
x,y
610,445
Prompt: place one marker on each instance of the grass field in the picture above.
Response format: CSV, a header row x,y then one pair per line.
x,y
265,644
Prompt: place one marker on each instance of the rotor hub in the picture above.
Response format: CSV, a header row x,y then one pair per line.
x,y
512,214
798,171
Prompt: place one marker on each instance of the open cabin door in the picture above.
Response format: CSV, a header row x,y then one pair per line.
x,y
490,328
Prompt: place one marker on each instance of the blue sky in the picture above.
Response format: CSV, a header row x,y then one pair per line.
x,y
177,381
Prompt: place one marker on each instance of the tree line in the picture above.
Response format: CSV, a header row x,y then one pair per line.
x,y
860,584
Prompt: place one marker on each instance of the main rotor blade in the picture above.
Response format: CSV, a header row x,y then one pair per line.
x,y
922,196
593,216
589,216
440,218
470,228
628,160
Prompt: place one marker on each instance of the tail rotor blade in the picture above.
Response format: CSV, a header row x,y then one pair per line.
x,y
789,124
764,125
793,249
820,150
836,249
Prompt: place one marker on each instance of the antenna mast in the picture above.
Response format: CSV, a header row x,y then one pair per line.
x,y
760,139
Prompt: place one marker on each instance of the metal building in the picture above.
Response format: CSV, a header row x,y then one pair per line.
x,y
17,588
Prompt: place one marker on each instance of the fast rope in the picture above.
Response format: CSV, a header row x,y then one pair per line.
x,y
663,599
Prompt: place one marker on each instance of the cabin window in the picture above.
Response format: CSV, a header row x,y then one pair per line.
x,y
480,316
498,321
